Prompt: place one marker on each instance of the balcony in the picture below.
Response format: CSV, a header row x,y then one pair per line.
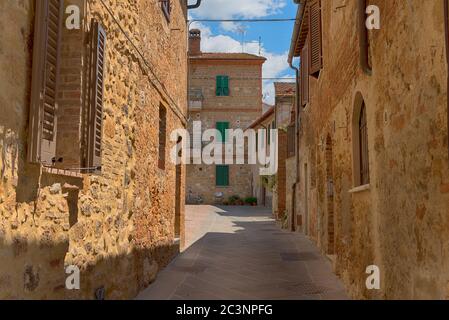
x,y
196,100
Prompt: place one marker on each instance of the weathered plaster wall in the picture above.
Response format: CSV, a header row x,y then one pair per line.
x,y
117,227
400,223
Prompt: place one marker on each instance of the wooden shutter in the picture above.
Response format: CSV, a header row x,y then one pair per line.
x,y
225,85
218,86
222,176
96,92
45,80
316,50
305,74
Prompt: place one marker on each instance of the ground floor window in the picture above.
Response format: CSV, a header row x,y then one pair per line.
x,y
222,176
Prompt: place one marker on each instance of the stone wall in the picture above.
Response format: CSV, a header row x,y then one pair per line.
x,y
118,227
400,223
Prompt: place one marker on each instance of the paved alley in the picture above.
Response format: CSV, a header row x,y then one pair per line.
x,y
240,253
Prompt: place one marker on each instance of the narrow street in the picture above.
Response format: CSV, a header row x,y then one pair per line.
x,y
240,253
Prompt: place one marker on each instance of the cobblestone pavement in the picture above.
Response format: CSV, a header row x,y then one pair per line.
x,y
240,253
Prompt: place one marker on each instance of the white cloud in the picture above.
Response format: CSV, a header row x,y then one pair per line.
x,y
226,9
276,65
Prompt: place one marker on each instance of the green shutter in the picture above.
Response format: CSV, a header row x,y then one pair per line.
x,y
219,90
225,85
222,127
222,176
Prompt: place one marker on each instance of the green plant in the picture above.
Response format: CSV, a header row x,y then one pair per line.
x,y
251,201
234,200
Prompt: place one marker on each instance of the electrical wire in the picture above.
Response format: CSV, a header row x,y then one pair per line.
x,y
174,107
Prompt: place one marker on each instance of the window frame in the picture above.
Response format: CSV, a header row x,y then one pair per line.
x,y
361,152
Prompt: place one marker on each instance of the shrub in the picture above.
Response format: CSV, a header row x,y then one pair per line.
x,y
251,201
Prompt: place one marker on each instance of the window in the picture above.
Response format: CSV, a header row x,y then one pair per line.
x,y
162,136
363,139
315,35
45,81
222,127
222,86
305,74
47,130
96,88
222,176
166,8
291,140
364,42
361,172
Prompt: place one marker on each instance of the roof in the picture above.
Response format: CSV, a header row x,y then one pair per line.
x,y
227,56
300,30
262,118
285,88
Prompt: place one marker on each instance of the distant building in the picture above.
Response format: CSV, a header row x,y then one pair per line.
x,y
225,91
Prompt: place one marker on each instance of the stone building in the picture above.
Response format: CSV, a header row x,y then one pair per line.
x,y
374,167
86,179
263,187
285,116
225,93
276,189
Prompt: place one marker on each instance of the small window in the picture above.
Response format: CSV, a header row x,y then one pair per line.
x,y
364,41
363,149
162,136
222,127
222,176
291,141
222,86
166,8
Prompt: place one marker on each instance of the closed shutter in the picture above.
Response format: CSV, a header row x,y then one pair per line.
x,y
96,92
225,85
45,80
316,50
222,127
305,74
222,176
218,90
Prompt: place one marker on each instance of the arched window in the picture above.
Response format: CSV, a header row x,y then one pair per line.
x,y
361,171
363,140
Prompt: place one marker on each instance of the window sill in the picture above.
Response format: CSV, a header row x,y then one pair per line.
x,y
359,189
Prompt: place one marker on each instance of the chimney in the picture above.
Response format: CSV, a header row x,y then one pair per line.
x,y
195,42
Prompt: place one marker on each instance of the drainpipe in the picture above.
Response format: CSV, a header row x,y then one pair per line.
x,y
194,6
297,119
296,30
446,38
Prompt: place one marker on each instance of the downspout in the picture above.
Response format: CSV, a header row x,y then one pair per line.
x,y
298,107
297,119
446,25
194,6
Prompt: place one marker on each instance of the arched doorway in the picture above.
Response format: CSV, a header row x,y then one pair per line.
x,y
330,197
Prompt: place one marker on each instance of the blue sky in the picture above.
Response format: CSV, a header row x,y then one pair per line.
x,y
227,37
